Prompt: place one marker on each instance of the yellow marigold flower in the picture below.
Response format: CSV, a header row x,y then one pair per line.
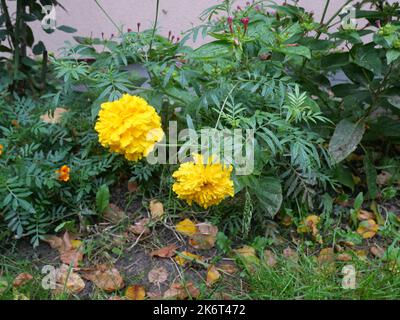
x,y
129,126
205,184
1,149
63,173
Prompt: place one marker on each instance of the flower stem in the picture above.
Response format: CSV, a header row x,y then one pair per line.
x,y
155,23
108,16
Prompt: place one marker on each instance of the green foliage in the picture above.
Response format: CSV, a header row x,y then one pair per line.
x,y
102,198
272,76
33,199
222,84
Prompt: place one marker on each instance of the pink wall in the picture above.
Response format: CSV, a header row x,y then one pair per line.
x,y
175,15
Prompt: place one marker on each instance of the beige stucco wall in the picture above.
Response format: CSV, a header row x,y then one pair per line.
x,y
175,15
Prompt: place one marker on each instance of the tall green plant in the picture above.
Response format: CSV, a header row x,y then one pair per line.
x,y
16,37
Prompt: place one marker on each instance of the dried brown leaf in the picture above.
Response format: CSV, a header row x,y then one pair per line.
x,y
158,275
22,279
106,278
140,227
290,254
229,268
181,292
365,215
270,258
132,187
326,256
67,280
166,252
205,236
383,178
156,209
114,214
377,252
345,257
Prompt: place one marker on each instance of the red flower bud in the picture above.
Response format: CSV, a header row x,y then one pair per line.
x,y
245,21
230,22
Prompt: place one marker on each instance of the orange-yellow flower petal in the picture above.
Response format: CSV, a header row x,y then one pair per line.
x,y
129,126
63,173
206,184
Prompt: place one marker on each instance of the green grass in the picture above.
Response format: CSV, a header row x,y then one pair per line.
x,y
307,280
32,290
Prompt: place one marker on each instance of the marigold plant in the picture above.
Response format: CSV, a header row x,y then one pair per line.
x,y
129,126
206,184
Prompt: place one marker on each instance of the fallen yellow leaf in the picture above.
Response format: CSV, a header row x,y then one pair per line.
x,y
186,227
213,275
76,244
246,251
248,257
362,254
135,292
309,225
186,257
367,228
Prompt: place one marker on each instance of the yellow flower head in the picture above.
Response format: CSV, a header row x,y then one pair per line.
x,y
1,149
205,184
63,173
129,126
